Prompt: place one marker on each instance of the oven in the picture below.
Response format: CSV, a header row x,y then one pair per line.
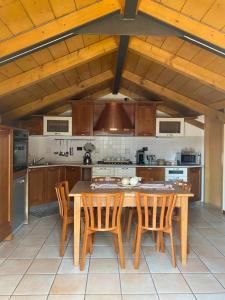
x,y
20,150
173,174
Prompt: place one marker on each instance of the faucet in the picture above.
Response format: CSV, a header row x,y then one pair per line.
x,y
35,162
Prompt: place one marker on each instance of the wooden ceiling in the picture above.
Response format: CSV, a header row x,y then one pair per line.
x,y
188,80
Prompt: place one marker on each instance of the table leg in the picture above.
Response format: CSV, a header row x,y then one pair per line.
x,y
184,229
76,248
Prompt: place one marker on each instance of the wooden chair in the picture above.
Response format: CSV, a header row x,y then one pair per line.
x,y
66,213
106,179
155,216
102,212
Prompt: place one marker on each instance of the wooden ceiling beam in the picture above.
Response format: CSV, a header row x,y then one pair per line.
x,y
55,29
173,96
218,104
182,22
61,95
177,63
57,66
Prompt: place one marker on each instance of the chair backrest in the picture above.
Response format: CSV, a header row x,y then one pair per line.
x,y
106,179
155,211
102,211
62,192
184,185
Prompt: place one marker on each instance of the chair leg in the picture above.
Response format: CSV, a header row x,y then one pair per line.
x,y
84,250
129,223
138,246
121,251
90,244
116,245
125,219
172,249
162,246
63,237
158,242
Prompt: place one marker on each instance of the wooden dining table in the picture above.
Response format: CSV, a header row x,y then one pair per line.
x,y
130,201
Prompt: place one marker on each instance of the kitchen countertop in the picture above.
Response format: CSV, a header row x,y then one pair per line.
x,y
77,164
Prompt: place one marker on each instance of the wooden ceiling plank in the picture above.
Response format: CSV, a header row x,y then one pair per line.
x,y
173,96
182,22
56,97
59,65
58,26
177,63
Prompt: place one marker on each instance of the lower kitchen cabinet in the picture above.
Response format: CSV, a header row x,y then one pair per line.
x,y
36,186
72,174
194,178
151,174
52,177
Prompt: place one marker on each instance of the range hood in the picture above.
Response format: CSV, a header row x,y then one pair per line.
x,y
113,121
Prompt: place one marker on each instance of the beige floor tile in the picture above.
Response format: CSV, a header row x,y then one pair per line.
x,y
34,285
103,284
170,283
210,296
1,260
14,266
39,297
8,283
203,283
159,264
194,265
137,284
66,297
104,240
176,297
103,265
44,266
140,297
24,252
215,264
4,297
103,297
69,284
128,252
103,252
7,248
49,252
203,251
32,241
143,267
67,267
68,252
221,278
151,251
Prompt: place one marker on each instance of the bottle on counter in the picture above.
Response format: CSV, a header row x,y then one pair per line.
x,y
199,158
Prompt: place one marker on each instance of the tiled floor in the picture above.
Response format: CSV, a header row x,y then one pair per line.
x,y
31,268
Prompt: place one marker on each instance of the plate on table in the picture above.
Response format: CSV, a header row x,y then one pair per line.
x,y
128,185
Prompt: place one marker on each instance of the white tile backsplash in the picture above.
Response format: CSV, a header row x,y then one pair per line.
x,y
45,146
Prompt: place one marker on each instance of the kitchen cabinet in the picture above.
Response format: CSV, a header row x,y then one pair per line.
x,y
145,119
34,125
151,174
52,177
194,178
72,174
82,116
36,186
5,182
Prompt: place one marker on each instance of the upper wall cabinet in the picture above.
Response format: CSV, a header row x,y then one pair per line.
x,y
82,115
145,119
34,125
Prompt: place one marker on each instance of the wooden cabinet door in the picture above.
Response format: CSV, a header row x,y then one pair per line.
x,y
73,174
151,174
36,186
145,120
52,177
5,182
82,115
194,178
33,125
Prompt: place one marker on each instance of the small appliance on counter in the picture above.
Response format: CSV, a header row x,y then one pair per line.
x,y
88,147
188,157
141,156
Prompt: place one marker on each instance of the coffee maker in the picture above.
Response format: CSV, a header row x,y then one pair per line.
x,y
140,156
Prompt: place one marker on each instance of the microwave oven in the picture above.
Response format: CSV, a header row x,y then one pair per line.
x,y
170,127
189,159
57,125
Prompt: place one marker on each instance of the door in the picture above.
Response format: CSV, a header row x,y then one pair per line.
x,y
82,115
73,174
145,120
151,174
5,182
52,177
36,186
194,178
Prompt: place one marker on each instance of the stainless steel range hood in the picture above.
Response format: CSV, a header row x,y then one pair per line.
x,y
113,121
